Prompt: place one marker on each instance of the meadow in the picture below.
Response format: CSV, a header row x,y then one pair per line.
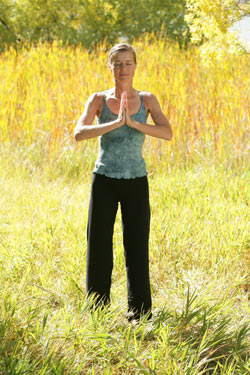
x,y
199,242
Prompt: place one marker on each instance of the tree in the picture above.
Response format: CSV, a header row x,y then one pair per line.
x,y
90,22
7,24
135,18
210,23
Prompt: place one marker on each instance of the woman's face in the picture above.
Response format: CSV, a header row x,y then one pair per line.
x,y
123,66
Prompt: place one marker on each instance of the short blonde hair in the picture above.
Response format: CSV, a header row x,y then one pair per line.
x,y
121,47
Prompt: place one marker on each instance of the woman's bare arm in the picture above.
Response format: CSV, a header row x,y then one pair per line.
x,y
84,128
162,128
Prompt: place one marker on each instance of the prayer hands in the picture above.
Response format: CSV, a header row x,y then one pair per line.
x,y
123,115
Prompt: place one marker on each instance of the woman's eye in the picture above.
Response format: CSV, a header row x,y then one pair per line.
x,y
118,65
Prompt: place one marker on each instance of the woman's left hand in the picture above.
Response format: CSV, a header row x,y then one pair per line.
x,y
162,128
128,120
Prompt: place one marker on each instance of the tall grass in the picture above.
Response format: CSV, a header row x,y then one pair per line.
x,y
43,91
199,243
199,261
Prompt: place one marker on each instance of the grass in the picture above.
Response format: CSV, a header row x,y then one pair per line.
x,y
44,89
199,262
199,243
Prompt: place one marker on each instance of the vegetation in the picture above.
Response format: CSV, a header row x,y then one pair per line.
x,y
89,22
44,91
199,244
210,23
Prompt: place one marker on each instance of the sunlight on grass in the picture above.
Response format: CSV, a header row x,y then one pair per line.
x,y
199,242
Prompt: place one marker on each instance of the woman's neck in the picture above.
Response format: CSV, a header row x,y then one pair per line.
x,y
119,89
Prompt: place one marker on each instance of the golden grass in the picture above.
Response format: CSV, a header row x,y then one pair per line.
x,y
43,90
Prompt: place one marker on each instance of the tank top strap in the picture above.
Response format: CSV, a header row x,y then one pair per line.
x,y
141,93
104,99
105,108
142,107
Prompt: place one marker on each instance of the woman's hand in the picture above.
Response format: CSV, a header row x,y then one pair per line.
x,y
162,128
122,115
128,120
84,128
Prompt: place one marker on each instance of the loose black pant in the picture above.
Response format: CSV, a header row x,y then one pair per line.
x,y
133,195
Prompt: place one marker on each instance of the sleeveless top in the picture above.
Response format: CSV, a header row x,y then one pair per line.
x,y
120,150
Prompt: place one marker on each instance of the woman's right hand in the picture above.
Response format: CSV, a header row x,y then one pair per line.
x,y
121,114
84,128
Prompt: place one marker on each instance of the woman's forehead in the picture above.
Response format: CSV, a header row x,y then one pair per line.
x,y
122,55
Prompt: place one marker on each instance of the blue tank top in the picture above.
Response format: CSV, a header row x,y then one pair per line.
x,y
120,150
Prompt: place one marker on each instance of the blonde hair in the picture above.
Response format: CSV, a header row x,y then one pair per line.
x,y
121,47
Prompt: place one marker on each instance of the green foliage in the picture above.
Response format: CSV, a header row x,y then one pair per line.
x,y
210,23
90,22
7,23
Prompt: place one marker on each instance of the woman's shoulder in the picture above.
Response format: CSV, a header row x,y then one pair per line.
x,y
96,101
96,97
146,95
100,96
148,98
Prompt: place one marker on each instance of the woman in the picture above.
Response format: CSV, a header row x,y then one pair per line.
x,y
120,176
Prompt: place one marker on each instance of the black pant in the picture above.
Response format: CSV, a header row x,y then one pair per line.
x,y
133,195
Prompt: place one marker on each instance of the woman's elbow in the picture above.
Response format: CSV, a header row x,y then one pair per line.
x,y
79,132
168,134
77,135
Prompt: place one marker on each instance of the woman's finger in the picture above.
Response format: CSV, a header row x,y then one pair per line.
x,y
124,99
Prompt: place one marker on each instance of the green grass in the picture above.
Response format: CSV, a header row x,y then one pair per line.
x,y
199,260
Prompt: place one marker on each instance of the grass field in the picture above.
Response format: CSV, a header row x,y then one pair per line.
x,y
199,243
